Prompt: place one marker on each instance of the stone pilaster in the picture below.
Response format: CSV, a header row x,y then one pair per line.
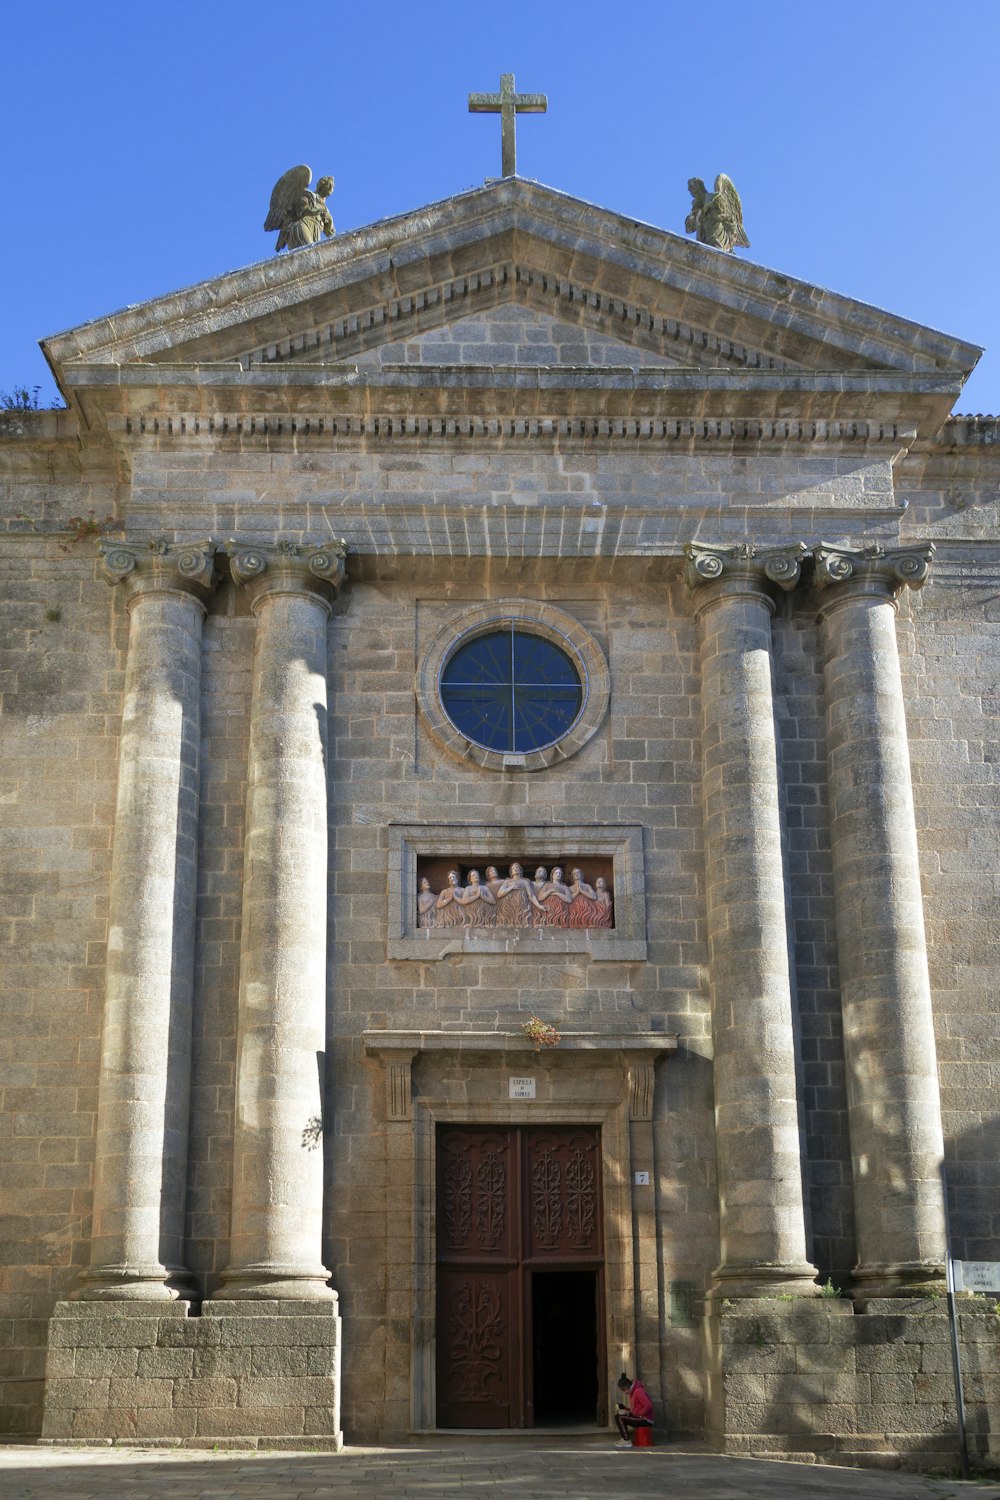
x,y
278,1180
893,1099
762,1219
141,1162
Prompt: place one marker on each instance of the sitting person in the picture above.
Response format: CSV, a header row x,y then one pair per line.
x,y
634,1410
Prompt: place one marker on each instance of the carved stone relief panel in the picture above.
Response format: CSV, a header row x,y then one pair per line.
x,y
454,893
542,888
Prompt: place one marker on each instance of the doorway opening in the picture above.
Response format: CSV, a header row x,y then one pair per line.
x,y
520,1276
564,1307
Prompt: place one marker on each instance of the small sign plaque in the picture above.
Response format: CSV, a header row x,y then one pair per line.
x,y
642,1179
977,1275
521,1088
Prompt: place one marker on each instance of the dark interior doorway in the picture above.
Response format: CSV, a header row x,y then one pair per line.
x,y
564,1339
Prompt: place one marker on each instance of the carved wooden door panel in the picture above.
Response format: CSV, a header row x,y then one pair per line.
x,y
512,1203
478,1314
562,1187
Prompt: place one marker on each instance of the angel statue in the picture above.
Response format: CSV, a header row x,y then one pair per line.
x,y
716,218
299,215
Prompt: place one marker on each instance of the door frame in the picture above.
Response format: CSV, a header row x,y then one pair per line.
x,y
461,1078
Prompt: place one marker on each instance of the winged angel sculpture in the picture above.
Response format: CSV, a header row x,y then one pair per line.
x,y
716,218
300,216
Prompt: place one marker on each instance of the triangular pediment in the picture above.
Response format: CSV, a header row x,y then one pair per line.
x,y
524,271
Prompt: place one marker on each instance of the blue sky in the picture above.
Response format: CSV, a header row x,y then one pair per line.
x,y
142,142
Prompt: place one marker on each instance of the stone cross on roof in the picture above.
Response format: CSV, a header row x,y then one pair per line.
x,y
508,105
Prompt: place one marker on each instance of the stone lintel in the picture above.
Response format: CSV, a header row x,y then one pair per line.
x,y
643,1044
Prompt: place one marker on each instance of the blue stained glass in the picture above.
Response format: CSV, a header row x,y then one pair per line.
x,y
508,690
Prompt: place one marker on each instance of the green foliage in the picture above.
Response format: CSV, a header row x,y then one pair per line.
x,y
829,1290
23,399
20,399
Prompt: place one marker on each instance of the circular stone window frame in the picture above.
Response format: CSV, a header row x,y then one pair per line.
x,y
547,621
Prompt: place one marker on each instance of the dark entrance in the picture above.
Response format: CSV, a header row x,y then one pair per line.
x,y
520,1284
564,1346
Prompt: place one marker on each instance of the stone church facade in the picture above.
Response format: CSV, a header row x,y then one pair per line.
x,y
507,611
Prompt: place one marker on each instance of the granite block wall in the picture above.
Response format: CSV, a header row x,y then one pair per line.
x,y
61,660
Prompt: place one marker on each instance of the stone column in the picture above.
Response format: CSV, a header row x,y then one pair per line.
x,y
894,1105
142,1115
762,1218
278,1170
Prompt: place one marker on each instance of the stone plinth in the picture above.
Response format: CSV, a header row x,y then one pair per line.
x,y
874,1389
244,1375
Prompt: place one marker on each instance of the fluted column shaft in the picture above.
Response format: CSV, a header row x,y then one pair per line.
x,y
762,1218
894,1106
142,1118
278,1175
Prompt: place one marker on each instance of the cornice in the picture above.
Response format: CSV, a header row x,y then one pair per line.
x,y
912,404
383,428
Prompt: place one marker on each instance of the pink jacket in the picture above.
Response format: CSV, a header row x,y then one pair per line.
x,y
639,1402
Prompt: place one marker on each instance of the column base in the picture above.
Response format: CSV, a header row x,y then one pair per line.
x,y
117,1283
773,1279
267,1283
903,1278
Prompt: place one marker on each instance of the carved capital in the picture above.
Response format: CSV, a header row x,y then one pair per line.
x,y
285,567
160,567
873,569
743,567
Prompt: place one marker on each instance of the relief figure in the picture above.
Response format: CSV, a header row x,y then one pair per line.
x,y
478,903
449,912
426,905
583,906
555,896
516,900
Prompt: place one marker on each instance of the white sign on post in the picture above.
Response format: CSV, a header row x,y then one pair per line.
x,y
521,1088
977,1275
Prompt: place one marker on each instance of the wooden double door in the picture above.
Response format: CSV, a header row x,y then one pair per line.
x,y
520,1276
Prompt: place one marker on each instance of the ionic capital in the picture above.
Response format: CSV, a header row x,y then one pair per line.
x,y
743,568
285,567
873,570
160,567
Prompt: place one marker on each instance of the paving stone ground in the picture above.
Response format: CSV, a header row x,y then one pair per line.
x,y
527,1470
